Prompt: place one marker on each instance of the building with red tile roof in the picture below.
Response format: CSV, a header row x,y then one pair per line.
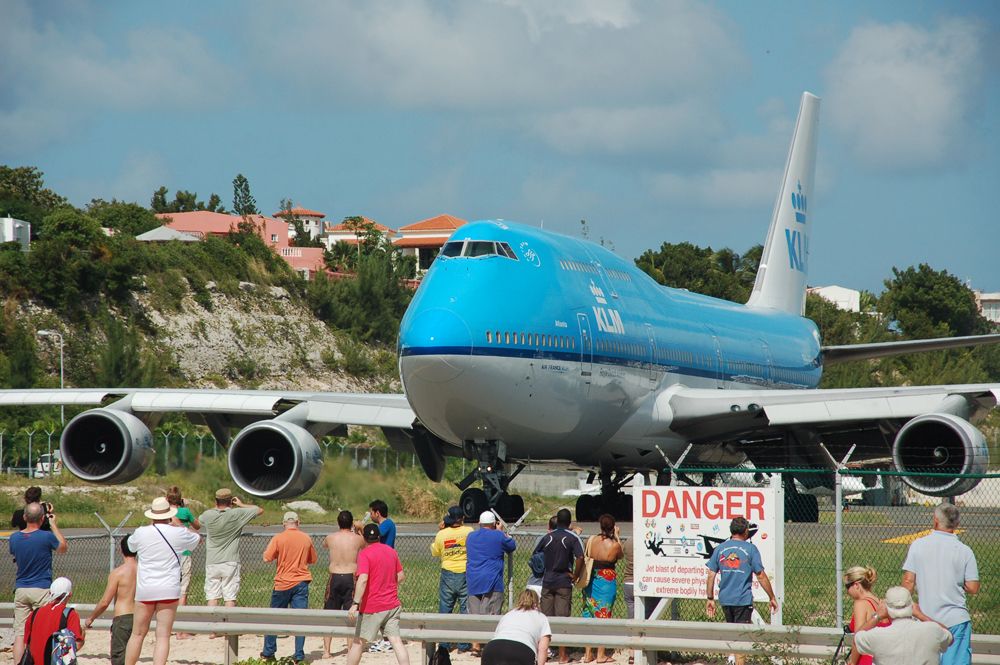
x,y
274,232
312,220
342,233
425,238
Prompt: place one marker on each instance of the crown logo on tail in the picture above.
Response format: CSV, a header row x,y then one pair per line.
x,y
799,204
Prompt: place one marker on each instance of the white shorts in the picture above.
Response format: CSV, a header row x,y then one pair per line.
x,y
222,580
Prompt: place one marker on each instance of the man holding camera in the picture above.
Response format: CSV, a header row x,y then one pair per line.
x,y
223,528
32,550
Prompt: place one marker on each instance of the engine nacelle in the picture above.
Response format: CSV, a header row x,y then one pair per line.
x,y
106,446
274,459
940,443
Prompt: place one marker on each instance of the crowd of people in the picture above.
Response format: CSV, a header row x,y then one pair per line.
x,y
365,573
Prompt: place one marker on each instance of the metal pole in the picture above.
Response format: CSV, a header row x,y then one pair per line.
x,y
184,460
839,537
111,537
51,462
166,452
31,471
62,407
1,449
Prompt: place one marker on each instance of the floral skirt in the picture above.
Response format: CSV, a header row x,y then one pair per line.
x,y
599,595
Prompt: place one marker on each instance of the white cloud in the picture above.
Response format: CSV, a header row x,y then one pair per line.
x,y
683,128
57,71
899,95
489,56
718,188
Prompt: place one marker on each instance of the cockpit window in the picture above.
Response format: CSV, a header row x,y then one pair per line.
x,y
477,249
480,248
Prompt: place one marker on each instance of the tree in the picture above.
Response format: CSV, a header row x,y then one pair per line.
x,y
121,217
122,362
721,274
244,203
23,195
22,365
69,260
183,201
924,303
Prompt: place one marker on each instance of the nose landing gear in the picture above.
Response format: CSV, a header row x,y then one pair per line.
x,y
492,471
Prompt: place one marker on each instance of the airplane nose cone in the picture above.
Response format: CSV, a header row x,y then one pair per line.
x,y
428,344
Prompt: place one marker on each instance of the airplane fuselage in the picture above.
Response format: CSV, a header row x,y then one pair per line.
x,y
559,348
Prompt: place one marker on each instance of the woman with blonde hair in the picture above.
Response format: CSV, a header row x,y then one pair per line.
x,y
522,636
858,582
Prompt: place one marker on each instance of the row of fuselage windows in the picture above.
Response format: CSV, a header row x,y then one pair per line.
x,y
638,352
537,340
578,266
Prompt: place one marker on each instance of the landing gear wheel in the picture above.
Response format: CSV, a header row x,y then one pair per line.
x,y
474,503
510,507
586,508
623,508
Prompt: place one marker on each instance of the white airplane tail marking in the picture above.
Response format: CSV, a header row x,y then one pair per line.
x,y
781,278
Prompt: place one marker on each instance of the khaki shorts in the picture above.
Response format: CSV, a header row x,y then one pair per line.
x,y
25,601
222,580
485,603
370,625
185,573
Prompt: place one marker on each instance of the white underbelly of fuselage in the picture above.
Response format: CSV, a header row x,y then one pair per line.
x,y
544,409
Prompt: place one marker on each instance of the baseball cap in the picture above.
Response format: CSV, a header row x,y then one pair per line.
x,y
61,586
290,516
899,602
453,516
487,517
223,494
371,533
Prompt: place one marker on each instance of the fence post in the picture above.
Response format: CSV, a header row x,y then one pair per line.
x,y
838,508
111,537
201,450
2,431
166,453
31,435
184,459
52,465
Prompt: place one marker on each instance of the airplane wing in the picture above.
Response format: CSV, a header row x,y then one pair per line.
x,y
274,453
916,428
849,352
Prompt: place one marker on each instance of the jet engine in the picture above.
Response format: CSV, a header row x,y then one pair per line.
x,y
106,446
940,443
275,459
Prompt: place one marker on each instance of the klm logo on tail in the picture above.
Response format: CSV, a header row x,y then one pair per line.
x,y
797,241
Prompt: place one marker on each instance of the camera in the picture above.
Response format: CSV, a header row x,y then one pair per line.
x,y
48,508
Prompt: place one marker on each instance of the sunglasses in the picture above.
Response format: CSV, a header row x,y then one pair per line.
x,y
848,585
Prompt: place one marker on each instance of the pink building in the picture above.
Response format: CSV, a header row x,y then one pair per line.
x,y
274,232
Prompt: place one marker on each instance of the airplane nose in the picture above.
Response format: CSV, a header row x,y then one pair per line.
x,y
430,341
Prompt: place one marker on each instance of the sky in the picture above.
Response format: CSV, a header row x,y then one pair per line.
x,y
654,121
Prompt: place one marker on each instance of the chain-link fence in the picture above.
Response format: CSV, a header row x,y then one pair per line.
x,y
878,521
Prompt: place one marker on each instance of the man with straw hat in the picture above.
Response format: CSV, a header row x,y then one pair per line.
x,y
158,547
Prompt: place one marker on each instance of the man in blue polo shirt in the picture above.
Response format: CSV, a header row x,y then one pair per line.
x,y
736,561
485,550
943,569
32,550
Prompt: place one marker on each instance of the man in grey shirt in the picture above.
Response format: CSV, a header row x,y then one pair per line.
x,y
906,641
943,569
223,528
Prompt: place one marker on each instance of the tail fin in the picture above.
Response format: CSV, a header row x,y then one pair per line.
x,y
781,277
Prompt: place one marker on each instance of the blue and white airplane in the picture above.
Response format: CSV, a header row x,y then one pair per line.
x,y
522,345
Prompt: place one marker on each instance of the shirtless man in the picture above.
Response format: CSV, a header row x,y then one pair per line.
x,y
344,546
121,590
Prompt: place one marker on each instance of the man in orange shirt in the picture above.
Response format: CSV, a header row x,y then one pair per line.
x,y
294,553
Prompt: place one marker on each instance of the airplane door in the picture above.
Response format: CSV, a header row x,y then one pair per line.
x,y
652,356
765,372
716,360
586,351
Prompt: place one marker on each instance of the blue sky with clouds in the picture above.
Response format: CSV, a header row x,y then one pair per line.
x,y
658,121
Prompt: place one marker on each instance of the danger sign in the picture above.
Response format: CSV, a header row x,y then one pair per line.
x,y
677,529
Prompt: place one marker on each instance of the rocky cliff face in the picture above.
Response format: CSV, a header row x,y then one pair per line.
x,y
258,338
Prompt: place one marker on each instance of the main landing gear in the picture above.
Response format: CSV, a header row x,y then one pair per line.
x,y
492,471
611,500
